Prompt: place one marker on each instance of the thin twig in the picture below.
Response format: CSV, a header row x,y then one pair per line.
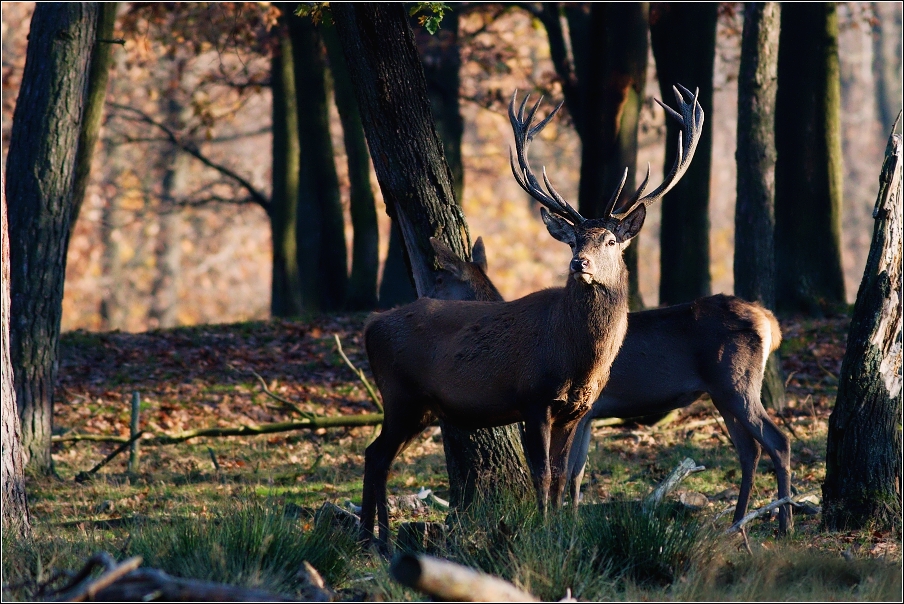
x,y
360,374
788,425
282,400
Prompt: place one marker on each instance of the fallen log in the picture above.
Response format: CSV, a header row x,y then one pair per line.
x,y
684,469
453,582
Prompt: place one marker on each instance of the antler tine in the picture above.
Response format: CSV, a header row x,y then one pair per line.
x,y
524,133
691,118
607,210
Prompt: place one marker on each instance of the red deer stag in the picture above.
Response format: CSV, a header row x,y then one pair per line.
x,y
542,359
670,357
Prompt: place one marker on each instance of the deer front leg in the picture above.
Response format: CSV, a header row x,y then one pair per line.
x,y
577,458
537,424
561,439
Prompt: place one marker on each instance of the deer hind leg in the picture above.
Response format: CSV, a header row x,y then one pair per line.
x,y
397,433
577,458
749,411
537,425
748,454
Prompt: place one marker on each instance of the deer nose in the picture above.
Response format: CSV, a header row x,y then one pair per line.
x,y
579,265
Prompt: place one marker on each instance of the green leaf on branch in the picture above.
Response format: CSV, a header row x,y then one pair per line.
x,y
433,17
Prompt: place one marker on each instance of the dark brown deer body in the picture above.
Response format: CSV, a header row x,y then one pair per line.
x,y
542,359
670,357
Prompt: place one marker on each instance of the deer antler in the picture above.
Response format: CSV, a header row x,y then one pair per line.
x,y
691,118
525,131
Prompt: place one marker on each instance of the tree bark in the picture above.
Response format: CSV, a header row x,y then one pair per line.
x,y
417,186
285,293
15,503
754,258
808,169
887,60
362,285
98,76
863,449
320,224
684,45
41,173
397,285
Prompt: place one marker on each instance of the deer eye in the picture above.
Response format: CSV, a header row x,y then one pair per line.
x,y
610,242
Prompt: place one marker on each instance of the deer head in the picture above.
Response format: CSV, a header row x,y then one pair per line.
x,y
597,243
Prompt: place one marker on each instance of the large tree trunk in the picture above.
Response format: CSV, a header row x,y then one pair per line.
x,y
887,60
14,502
754,258
864,448
41,172
684,44
362,285
417,186
320,223
285,292
808,169
98,76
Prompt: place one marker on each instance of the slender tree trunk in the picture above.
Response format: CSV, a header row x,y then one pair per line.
x,y
754,258
362,285
887,60
41,172
612,95
167,247
397,285
14,501
863,450
320,223
684,45
603,81
285,293
113,306
808,170
98,76
417,186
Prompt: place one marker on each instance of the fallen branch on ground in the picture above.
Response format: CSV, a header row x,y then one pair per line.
x,y
83,476
453,582
82,587
684,469
789,500
318,421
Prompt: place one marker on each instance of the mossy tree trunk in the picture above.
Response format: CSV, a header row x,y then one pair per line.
x,y
863,449
754,257
320,224
98,77
808,168
417,185
683,36
362,285
14,501
285,292
40,178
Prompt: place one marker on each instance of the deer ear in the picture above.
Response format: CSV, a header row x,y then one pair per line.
x,y
479,254
446,258
631,224
558,227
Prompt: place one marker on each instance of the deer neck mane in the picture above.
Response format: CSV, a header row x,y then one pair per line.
x,y
597,311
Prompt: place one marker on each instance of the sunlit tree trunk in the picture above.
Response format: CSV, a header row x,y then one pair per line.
x,y
754,257
864,448
14,501
285,293
808,170
683,36
417,186
887,60
40,177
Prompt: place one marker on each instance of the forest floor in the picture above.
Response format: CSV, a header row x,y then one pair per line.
x,y
207,376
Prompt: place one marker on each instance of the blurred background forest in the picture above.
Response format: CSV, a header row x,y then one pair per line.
x,y
169,238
